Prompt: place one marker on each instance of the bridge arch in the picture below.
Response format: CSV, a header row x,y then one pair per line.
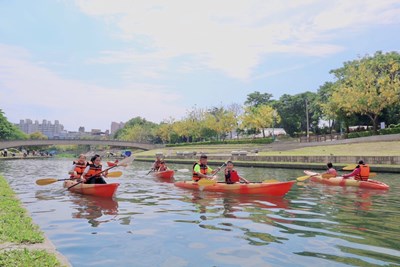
x,y
47,142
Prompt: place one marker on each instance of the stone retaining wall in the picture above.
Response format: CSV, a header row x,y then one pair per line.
x,y
385,160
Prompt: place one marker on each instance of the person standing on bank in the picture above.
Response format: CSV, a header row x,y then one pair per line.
x,y
92,174
202,171
360,173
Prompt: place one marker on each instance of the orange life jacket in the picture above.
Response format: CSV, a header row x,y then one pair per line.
x,y
79,167
203,170
94,171
364,173
231,176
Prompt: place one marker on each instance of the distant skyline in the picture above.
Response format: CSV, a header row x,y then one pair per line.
x,y
91,62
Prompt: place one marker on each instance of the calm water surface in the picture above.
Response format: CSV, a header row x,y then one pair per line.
x,y
153,223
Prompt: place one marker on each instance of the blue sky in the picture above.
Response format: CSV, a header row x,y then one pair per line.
x,y
90,62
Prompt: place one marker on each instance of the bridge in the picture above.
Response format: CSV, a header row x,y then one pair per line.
x,y
48,142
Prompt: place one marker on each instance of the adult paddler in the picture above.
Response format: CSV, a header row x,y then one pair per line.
x,y
360,173
201,170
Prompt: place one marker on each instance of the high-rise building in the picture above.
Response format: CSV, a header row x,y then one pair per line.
x,y
46,128
115,126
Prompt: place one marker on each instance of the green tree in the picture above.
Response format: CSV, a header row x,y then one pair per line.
x,y
38,136
9,131
221,121
292,110
368,85
260,117
257,99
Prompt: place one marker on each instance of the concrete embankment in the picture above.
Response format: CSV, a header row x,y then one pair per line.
x,y
292,162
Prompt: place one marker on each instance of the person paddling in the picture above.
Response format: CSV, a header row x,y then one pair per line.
x,y
231,175
162,167
78,167
157,163
202,170
360,173
92,174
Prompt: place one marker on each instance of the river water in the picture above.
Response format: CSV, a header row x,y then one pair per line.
x,y
153,223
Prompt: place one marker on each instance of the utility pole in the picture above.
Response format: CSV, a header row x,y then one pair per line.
x,y
308,123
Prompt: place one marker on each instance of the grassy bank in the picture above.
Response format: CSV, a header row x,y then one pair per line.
x,y
17,232
389,148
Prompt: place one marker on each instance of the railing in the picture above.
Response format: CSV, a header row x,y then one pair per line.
x,y
321,138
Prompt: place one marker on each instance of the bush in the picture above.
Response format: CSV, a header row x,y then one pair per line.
x,y
390,131
240,141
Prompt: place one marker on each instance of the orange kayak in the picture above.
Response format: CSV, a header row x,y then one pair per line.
x,y
340,181
168,174
100,190
271,189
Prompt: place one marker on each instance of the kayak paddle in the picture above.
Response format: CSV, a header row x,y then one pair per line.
x,y
114,174
46,181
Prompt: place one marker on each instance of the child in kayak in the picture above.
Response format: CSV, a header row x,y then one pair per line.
x,y
78,167
93,174
231,175
331,170
162,167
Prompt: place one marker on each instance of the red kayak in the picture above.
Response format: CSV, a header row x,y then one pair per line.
x,y
164,175
340,181
270,189
111,164
100,190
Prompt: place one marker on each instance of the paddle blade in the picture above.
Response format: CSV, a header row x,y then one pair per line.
x,y
182,170
327,175
302,178
206,182
372,174
114,174
270,181
349,167
46,181
125,161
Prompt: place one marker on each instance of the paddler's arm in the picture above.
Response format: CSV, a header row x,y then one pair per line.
x,y
84,173
197,170
353,173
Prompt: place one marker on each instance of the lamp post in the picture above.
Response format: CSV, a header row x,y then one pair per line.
x,y
273,124
308,123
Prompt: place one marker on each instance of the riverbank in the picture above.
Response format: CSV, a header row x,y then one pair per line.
x,y
381,153
262,164
21,241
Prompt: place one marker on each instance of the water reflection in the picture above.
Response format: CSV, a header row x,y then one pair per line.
x,y
153,223
95,210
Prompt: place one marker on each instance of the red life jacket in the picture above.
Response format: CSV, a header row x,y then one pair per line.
x,y
364,173
79,168
231,176
157,164
203,170
94,171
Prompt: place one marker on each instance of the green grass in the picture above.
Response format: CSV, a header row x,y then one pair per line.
x,y
391,148
25,257
357,149
15,225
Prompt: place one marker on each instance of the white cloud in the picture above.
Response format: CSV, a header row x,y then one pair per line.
x,y
26,88
235,36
